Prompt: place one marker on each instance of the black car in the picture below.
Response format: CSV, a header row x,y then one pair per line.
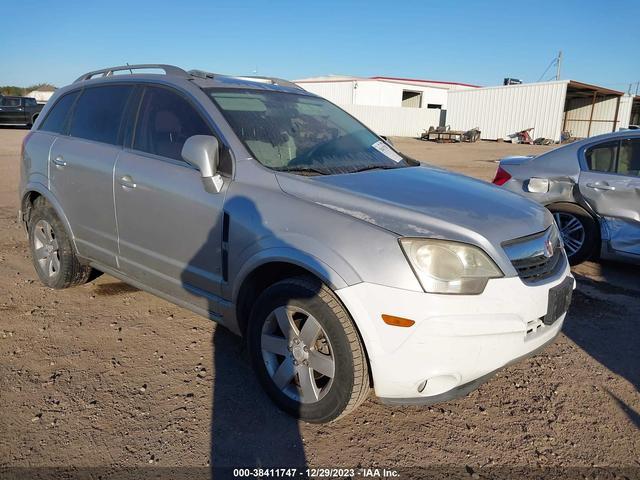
x,y
19,110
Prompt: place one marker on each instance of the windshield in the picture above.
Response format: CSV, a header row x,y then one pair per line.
x,y
303,134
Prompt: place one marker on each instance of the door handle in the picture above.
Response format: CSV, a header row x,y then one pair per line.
x,y
600,186
59,161
127,182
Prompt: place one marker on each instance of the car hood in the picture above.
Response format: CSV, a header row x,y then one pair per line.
x,y
424,202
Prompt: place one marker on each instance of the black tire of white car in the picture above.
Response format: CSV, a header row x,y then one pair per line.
x,y
56,244
590,226
349,386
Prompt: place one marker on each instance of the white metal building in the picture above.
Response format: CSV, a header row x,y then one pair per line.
x,y
389,106
41,96
549,107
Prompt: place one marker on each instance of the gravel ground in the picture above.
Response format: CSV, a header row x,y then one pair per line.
x,y
104,375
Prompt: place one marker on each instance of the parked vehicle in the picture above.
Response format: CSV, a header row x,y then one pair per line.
x,y
270,210
18,110
592,187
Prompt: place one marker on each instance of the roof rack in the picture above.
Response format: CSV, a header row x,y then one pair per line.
x,y
107,72
177,71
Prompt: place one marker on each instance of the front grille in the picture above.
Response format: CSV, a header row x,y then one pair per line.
x,y
536,268
529,255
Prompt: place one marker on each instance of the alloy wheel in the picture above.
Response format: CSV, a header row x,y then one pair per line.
x,y
297,354
46,249
572,232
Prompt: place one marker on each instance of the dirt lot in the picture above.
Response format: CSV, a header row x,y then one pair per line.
x,y
106,375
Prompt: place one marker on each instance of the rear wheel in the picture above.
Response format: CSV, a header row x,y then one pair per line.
x,y
306,352
578,229
52,252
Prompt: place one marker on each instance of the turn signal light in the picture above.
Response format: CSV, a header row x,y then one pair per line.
x,y
397,321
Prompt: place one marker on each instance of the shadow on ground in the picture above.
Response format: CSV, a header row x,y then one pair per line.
x,y
609,330
247,429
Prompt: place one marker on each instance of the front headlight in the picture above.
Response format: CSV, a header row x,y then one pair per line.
x,y
443,266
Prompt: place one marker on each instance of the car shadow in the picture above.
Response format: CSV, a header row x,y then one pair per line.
x,y
15,127
247,429
610,338
630,412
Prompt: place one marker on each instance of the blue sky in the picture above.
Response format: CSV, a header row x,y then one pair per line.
x,y
466,41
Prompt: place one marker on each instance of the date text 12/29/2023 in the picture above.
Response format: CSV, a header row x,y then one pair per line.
x,y
315,473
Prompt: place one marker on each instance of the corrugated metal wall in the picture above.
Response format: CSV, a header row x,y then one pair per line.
x,y
341,93
579,112
395,121
373,92
624,115
505,110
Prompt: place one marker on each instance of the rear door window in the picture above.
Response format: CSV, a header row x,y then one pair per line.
x,y
58,116
602,158
165,121
98,113
629,157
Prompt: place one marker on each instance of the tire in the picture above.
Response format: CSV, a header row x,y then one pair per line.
x,y
52,252
579,231
336,348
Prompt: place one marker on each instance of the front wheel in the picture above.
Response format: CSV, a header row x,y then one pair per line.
x,y
306,351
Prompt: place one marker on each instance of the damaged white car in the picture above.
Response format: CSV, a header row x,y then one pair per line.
x,y
592,187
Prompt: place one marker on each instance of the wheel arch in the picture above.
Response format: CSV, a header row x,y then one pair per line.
x,y
271,272
262,273
31,193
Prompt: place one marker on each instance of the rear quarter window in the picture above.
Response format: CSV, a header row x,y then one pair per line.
x,y
57,117
99,112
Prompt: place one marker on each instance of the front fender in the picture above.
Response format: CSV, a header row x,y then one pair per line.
x,y
327,265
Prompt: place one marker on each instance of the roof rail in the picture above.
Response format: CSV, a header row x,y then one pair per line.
x,y
272,80
107,72
201,74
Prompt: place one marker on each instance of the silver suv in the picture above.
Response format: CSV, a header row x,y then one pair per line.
x,y
344,264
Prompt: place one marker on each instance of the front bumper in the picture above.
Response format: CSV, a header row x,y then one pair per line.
x,y
457,341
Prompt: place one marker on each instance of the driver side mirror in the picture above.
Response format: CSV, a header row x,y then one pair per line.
x,y
202,151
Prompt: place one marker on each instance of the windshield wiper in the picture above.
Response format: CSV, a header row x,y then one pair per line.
x,y
302,170
374,167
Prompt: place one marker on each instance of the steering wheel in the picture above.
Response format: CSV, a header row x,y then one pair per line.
x,y
321,150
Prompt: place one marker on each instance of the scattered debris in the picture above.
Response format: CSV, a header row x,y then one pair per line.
x,y
446,135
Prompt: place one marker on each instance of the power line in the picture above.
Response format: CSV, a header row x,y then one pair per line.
x,y
556,62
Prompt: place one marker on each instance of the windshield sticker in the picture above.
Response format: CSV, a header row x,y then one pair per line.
x,y
387,151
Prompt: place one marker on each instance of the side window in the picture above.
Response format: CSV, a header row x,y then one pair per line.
x,y
602,158
629,157
10,102
98,113
165,121
57,117
30,102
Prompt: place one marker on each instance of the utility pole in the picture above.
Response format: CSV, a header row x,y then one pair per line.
x,y
558,65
